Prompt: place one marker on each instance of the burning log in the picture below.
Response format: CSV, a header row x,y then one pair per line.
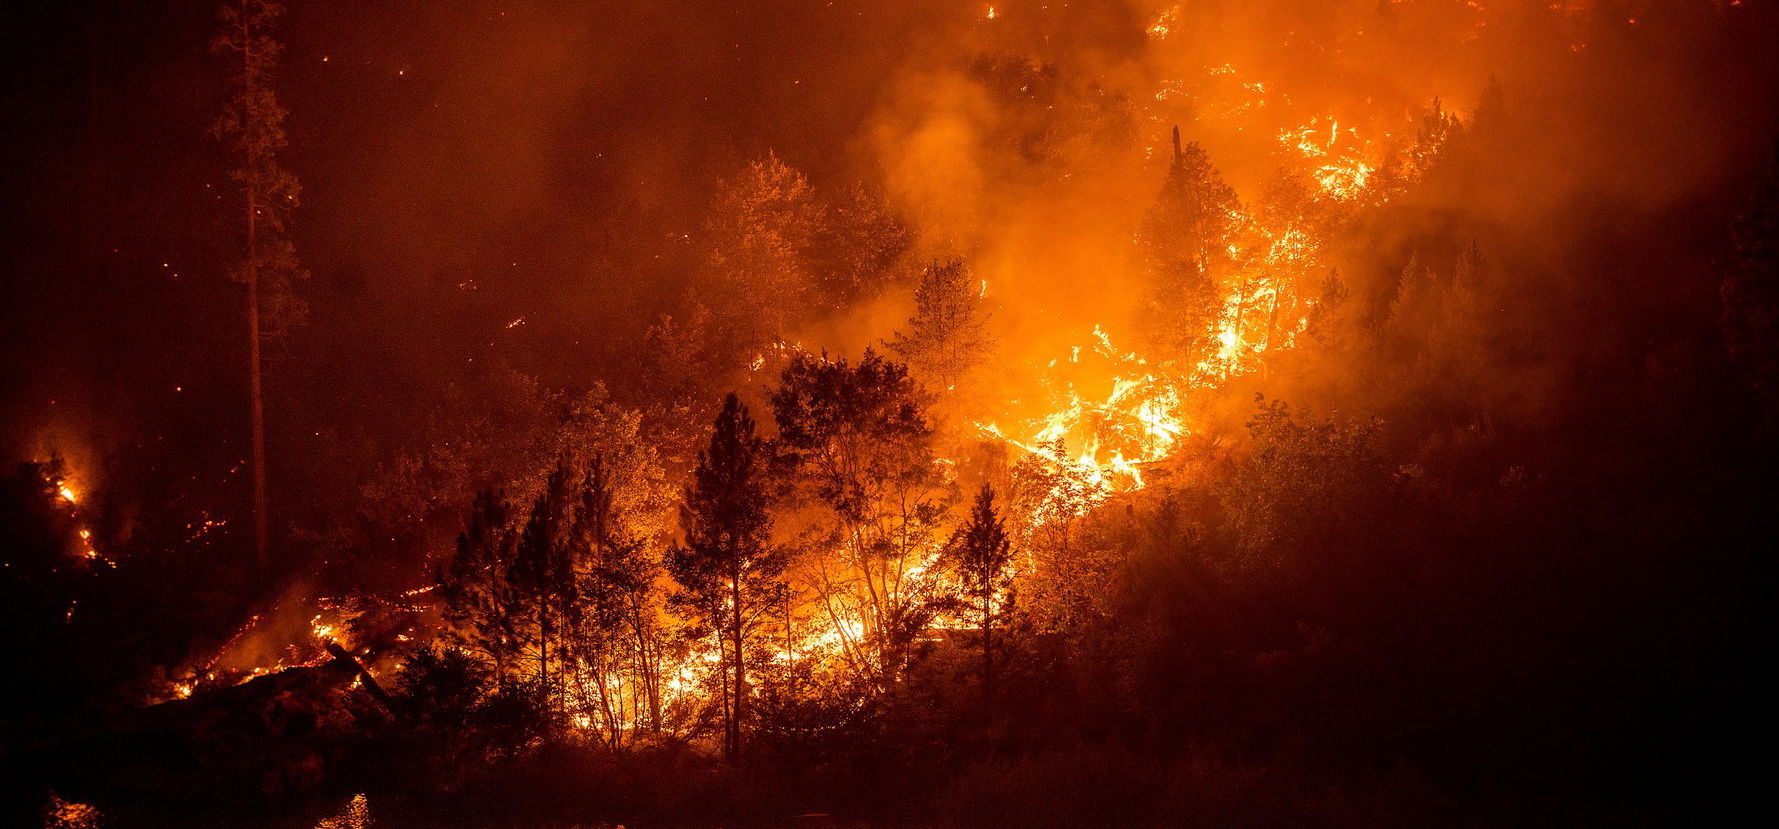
x,y
346,661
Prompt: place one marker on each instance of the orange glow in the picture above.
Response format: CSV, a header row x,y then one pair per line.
x,y
1099,433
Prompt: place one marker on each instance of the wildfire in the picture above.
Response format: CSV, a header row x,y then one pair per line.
x,y
68,495
68,814
1159,29
356,814
1097,437
1340,161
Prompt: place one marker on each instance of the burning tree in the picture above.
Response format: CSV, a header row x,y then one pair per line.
x,y
1185,245
567,605
39,579
1284,251
622,621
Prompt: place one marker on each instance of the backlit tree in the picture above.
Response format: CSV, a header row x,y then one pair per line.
x,y
252,125
728,570
983,551
948,335
863,451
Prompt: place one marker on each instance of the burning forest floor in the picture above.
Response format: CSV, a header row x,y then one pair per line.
x,y
1263,414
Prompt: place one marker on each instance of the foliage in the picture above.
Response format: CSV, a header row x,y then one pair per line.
x,y
444,684
861,244
1184,245
764,226
252,122
1303,483
982,551
948,335
728,569
568,601
859,441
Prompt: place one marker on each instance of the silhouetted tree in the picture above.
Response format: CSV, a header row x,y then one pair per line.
x,y
863,450
1327,317
1184,244
252,123
948,335
728,569
542,578
477,600
983,552
1437,130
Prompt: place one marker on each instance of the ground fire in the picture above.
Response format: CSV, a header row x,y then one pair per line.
x,y
834,413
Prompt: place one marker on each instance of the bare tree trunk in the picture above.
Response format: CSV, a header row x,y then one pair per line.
x,y
650,671
543,652
728,701
606,713
262,559
740,667
988,660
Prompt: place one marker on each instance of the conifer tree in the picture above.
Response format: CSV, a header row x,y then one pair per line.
x,y
983,550
948,334
728,569
252,125
1184,245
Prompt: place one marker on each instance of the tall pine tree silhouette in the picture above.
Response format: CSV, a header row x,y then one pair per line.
x,y
252,125
728,569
